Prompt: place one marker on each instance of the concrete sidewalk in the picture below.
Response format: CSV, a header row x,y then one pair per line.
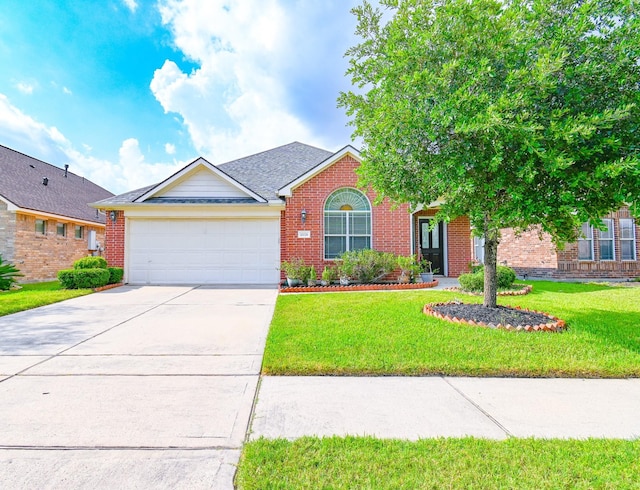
x,y
414,408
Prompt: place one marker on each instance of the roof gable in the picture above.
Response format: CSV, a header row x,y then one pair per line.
x,y
199,181
287,190
65,194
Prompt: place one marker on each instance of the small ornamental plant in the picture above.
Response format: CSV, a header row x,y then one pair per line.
x,y
8,275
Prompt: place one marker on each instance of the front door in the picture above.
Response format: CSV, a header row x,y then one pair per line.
x,y
432,244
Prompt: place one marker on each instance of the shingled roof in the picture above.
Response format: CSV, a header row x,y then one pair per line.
x,y
263,173
267,172
21,183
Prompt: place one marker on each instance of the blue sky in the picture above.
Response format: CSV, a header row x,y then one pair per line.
x,y
128,91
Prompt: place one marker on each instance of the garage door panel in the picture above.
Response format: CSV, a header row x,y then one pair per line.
x,y
203,251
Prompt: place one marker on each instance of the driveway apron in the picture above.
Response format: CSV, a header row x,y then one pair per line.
x,y
135,387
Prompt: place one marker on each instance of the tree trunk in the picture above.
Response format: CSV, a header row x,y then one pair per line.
x,y
491,240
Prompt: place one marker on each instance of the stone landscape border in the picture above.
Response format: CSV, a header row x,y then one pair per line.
x,y
358,287
526,289
555,325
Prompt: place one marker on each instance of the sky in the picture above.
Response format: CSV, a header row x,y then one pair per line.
x,y
129,91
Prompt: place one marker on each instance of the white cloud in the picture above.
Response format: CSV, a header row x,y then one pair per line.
x,y
23,133
235,103
131,4
67,91
25,88
170,149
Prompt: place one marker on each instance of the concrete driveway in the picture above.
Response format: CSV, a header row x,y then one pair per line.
x,y
135,387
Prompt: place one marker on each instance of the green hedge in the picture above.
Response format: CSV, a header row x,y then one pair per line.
x,y
475,280
115,274
83,278
90,262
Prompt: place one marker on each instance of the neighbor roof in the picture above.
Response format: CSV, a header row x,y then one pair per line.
x,y
263,173
21,183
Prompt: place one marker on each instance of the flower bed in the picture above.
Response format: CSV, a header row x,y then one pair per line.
x,y
502,317
358,287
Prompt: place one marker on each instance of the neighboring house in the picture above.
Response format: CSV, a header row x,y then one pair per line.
x,y
45,220
609,253
235,223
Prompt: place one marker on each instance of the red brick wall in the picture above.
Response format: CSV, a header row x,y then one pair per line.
x,y
114,240
459,242
528,254
569,266
40,257
391,228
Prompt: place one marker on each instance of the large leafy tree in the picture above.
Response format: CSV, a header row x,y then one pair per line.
x,y
512,112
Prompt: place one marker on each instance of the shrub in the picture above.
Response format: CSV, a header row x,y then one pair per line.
x,y
472,282
475,280
90,262
294,269
506,276
367,265
83,278
328,274
8,274
115,274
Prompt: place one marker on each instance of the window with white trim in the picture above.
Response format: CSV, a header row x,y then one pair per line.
x,y
79,231
585,242
61,229
605,239
627,239
347,222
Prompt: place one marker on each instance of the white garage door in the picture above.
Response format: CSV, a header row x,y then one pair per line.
x,y
196,251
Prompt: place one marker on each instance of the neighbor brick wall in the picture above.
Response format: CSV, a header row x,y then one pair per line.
x,y
539,258
570,267
391,228
530,253
459,243
7,232
40,257
114,240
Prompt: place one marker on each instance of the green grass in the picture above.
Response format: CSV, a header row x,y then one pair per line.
x,y
34,295
367,463
387,333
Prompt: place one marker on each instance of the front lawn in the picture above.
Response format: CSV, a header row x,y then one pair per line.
x,y
34,295
439,463
387,333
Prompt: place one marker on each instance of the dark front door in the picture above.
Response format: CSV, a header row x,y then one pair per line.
x,y
432,244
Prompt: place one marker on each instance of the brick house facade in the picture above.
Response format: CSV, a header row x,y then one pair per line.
x,y
45,220
391,228
534,254
286,189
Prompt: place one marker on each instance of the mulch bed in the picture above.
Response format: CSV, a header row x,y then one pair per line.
x,y
502,317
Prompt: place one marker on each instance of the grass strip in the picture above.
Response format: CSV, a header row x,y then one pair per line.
x,y
469,463
35,295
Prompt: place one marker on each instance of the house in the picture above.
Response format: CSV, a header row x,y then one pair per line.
x,y
610,253
45,220
234,223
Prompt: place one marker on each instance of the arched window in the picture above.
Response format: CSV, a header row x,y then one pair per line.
x,y
347,222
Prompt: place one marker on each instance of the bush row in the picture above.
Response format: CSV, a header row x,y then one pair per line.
x,y
90,272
